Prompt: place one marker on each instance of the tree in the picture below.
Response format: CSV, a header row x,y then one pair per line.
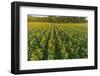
x,y
58,19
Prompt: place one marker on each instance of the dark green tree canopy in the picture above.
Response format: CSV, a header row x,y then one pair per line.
x,y
57,19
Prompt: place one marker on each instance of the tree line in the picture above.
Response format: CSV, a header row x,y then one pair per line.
x,y
57,19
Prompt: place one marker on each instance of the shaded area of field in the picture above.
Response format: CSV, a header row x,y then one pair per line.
x,y
51,41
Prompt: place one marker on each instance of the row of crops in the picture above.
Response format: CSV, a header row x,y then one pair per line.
x,y
51,41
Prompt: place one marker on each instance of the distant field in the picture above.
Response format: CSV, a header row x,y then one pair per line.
x,y
51,41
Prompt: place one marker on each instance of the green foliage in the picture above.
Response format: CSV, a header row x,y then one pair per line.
x,y
49,41
57,19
